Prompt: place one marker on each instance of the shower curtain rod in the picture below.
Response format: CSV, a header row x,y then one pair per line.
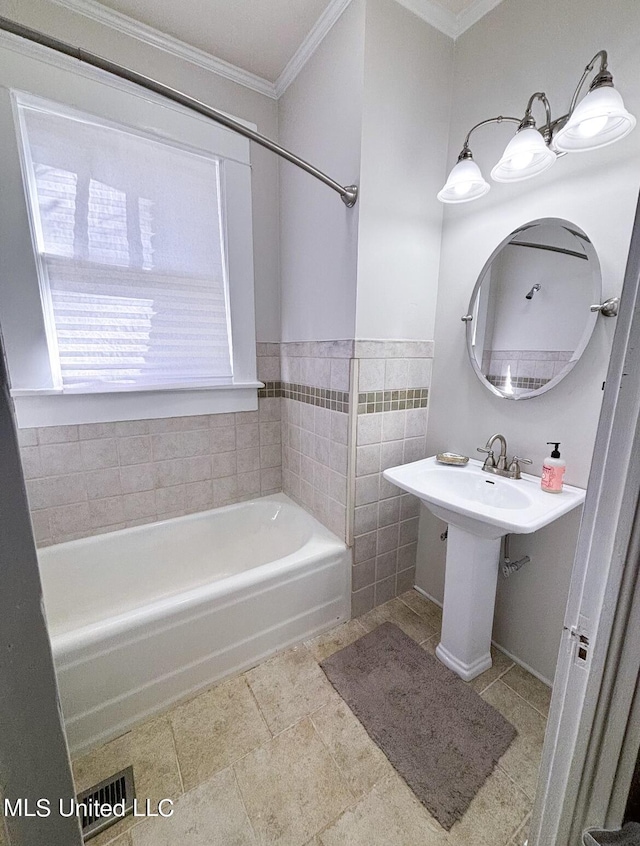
x,y
348,193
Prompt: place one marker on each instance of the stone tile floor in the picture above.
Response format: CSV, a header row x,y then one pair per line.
x,y
276,756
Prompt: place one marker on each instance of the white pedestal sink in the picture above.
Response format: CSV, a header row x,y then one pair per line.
x,y
480,508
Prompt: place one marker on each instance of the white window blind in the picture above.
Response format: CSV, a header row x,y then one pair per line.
x,y
130,236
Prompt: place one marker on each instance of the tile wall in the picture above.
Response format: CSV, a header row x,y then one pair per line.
x,y
523,370
350,410
332,416
393,382
315,428
94,478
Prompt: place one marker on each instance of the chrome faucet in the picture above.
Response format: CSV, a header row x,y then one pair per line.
x,y
499,467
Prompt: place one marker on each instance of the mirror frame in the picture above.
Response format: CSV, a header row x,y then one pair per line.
x,y
594,263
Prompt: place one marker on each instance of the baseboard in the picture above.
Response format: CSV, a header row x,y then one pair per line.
x,y
428,596
499,646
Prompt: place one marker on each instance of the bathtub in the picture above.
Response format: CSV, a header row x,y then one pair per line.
x,y
143,617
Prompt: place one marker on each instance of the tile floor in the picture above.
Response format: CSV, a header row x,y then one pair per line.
x,y
276,756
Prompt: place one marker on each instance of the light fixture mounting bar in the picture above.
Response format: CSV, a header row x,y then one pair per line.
x,y
603,74
498,119
602,78
528,120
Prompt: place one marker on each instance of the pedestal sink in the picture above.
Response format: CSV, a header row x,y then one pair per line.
x,y
480,508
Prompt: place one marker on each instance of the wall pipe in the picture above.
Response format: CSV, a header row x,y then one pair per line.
x,y
348,193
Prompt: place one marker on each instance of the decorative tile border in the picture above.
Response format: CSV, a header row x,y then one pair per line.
x,y
374,402
522,382
322,397
271,389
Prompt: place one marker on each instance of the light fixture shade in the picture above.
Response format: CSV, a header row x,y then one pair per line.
x,y
599,119
526,155
465,183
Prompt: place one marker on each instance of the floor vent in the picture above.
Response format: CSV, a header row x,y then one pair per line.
x,y
116,792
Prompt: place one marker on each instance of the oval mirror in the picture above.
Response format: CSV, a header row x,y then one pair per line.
x,y
530,316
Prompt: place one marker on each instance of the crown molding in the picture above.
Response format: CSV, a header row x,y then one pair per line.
x,y
310,44
433,14
174,46
446,21
472,14
428,10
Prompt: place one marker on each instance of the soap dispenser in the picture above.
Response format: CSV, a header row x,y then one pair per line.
x,y
553,470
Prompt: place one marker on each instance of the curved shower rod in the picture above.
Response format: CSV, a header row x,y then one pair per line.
x,y
348,193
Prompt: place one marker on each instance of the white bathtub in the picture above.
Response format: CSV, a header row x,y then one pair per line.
x,y
142,617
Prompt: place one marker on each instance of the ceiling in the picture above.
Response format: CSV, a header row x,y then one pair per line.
x,y
262,37
259,37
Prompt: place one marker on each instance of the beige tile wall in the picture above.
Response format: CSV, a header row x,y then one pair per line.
x,y
89,479
385,524
315,455
94,478
321,464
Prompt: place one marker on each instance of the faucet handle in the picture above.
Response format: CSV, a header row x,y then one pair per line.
x,y
514,467
490,460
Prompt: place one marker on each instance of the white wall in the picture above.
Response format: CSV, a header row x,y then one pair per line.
x,y
320,119
408,69
373,100
556,316
518,48
212,89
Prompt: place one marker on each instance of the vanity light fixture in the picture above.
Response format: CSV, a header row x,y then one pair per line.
x,y
528,152
465,181
599,119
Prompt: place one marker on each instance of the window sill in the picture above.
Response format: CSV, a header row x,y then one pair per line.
x,y
54,392
54,408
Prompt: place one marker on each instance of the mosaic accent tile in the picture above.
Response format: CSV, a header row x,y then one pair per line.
x,y
322,397
374,402
271,389
528,382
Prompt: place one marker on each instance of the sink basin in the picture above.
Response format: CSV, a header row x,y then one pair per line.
x,y
486,505
480,508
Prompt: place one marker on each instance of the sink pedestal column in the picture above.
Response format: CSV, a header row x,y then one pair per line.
x,y
469,598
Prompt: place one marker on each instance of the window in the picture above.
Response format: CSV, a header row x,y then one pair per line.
x,y
126,249
129,237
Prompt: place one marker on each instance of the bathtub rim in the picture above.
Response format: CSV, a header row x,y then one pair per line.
x,y
66,644
90,540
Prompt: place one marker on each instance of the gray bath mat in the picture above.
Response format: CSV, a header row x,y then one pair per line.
x,y
441,737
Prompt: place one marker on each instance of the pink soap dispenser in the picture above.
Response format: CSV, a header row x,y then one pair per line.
x,y
553,470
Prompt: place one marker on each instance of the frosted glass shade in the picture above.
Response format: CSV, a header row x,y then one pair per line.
x,y
526,155
465,183
599,119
